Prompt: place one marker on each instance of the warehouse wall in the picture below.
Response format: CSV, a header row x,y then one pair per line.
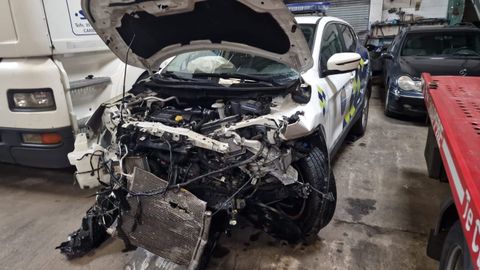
x,y
425,8
376,10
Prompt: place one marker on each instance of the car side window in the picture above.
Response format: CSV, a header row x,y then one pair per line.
x,y
349,39
331,44
395,42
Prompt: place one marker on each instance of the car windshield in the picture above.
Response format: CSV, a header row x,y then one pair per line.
x,y
454,44
309,33
226,64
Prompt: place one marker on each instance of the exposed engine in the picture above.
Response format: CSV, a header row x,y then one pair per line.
x,y
210,149
199,160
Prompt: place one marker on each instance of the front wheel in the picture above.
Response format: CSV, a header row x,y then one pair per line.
x,y
455,253
386,110
316,211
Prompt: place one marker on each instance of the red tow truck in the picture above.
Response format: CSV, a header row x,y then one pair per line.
x,y
452,153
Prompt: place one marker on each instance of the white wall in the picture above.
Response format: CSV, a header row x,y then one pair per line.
x,y
433,9
428,9
376,10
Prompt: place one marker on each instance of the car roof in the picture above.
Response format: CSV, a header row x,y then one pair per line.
x,y
307,19
440,28
313,19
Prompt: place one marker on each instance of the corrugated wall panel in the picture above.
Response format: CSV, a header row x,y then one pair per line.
x,y
355,12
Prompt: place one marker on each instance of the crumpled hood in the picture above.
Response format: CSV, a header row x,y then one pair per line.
x,y
414,66
156,30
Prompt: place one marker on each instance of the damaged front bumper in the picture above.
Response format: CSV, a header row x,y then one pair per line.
x,y
174,224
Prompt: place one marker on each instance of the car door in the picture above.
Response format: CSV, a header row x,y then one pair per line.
x,y
352,91
340,84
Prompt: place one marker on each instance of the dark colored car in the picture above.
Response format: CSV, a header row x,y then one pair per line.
x,y
439,50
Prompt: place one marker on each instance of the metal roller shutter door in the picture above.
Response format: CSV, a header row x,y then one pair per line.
x,y
355,12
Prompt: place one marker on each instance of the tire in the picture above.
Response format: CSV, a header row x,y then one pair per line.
x,y
386,110
314,169
455,252
331,205
360,127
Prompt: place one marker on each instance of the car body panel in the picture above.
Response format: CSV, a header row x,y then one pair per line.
x,y
159,29
340,96
415,65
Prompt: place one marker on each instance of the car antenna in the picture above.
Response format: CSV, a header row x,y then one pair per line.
x,y
125,79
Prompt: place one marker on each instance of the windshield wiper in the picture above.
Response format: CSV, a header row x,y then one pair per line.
x,y
173,75
240,76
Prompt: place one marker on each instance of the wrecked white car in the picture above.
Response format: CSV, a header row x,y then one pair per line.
x,y
242,121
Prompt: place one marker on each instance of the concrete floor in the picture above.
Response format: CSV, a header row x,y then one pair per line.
x,y
387,205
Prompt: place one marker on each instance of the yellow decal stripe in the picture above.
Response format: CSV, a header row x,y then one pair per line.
x,y
351,113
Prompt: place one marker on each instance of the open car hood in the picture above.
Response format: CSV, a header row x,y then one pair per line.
x,y
156,30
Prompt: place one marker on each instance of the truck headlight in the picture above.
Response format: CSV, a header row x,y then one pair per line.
x,y
408,84
31,100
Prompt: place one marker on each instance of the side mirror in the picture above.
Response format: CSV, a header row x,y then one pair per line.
x,y
342,62
387,55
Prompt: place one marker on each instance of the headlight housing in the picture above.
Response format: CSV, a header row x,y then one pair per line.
x,y
408,84
31,100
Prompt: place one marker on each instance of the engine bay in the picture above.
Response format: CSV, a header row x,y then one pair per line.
x,y
230,155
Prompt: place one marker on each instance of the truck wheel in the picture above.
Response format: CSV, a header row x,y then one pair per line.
x,y
360,126
455,253
315,212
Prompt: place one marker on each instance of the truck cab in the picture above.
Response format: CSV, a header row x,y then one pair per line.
x,y
54,72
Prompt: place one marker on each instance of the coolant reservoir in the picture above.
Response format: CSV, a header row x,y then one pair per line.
x,y
84,157
220,107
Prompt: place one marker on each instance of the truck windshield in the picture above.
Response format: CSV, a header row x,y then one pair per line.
x,y
219,62
443,44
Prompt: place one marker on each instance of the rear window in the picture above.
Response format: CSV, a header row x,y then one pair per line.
x,y
309,33
454,44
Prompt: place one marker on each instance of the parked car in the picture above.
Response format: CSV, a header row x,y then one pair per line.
x,y
381,36
243,120
439,50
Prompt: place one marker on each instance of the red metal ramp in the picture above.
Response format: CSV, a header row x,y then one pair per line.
x,y
453,104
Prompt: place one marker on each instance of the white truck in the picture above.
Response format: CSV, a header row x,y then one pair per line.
x,y
54,72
